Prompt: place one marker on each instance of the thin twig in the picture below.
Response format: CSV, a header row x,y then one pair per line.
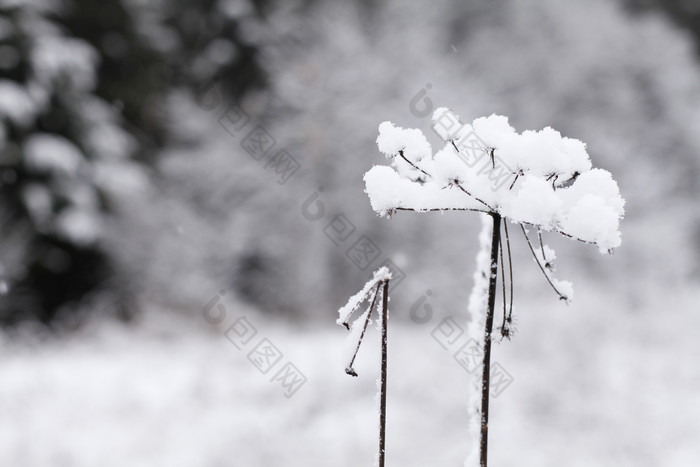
x,y
510,269
441,209
350,370
456,182
561,232
503,284
458,185
489,210
413,165
571,180
539,237
514,180
360,298
534,255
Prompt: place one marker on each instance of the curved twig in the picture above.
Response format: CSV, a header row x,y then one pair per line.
x,y
510,269
539,237
534,255
504,333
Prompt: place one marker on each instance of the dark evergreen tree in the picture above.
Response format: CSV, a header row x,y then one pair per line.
x,y
82,88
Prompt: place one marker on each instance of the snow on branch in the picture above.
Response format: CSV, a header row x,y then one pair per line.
x,y
378,283
540,178
380,275
544,257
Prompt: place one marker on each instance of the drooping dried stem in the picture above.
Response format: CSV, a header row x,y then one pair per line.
x,y
510,269
349,369
539,237
534,255
503,284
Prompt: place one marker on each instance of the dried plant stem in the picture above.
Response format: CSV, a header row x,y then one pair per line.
x,y
534,255
486,373
382,403
510,269
458,185
349,369
539,237
414,165
503,281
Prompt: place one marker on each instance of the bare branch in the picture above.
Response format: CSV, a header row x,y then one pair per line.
x,y
514,180
350,370
459,185
414,165
534,255
561,232
441,209
539,237
456,182
510,269
504,332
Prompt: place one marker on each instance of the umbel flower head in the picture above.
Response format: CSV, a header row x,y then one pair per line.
x,y
537,178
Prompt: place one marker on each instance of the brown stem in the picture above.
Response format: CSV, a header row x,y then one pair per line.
x,y
441,210
486,374
539,237
349,369
414,165
534,255
458,185
382,403
510,269
503,279
514,180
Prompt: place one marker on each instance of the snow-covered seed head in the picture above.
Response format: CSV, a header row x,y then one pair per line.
x,y
540,178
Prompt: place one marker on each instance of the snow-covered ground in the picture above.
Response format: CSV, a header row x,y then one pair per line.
x,y
602,382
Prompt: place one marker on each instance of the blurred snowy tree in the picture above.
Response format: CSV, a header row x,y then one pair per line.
x,y
60,138
685,13
83,90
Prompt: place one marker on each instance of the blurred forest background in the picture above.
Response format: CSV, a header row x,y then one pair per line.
x,y
154,153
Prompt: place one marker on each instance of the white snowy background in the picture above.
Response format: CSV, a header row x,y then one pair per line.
x,y
610,380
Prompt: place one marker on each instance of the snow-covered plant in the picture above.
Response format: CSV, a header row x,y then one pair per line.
x,y
378,289
535,179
